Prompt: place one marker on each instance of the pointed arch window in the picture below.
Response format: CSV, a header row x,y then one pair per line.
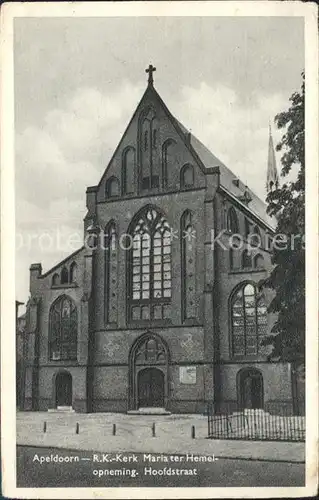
x,y
150,267
55,279
248,320
145,140
247,227
128,170
187,177
167,160
231,259
259,262
63,330
232,221
147,143
246,260
154,138
112,187
255,237
73,272
64,276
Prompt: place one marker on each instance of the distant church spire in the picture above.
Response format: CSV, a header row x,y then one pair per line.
x,y
272,173
150,70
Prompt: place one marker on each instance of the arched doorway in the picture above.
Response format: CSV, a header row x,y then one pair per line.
x,y
250,388
63,389
148,373
150,383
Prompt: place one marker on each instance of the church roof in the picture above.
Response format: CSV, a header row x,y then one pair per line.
x,y
228,180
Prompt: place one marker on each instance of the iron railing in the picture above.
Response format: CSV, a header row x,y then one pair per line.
x,y
254,424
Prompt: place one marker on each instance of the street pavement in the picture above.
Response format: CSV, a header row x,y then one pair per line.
x,y
94,469
134,433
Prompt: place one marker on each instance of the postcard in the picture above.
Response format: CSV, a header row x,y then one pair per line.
x,y
159,215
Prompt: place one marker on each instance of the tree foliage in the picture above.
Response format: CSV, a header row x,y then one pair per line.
x,y
287,203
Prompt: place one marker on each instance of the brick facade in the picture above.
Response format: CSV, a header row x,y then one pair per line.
x,y
106,373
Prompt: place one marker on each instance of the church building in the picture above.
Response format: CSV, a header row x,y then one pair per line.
x,y
162,305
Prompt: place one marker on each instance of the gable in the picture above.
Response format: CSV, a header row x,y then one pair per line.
x,y
67,272
152,155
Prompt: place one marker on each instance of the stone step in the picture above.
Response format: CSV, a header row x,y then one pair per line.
x,y
149,411
62,409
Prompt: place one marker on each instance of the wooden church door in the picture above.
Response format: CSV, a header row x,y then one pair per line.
x,y
63,385
150,388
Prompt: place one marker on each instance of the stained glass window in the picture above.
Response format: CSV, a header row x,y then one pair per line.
x,y
248,321
63,330
150,265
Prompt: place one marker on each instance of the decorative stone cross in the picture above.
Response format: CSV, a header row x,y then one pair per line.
x,y
150,70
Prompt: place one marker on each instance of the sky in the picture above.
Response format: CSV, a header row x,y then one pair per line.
x,y
77,82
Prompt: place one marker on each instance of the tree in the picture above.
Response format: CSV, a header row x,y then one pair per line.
x,y
287,278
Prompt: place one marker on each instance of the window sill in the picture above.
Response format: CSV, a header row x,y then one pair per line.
x,y
256,358
113,198
63,362
248,270
64,285
148,322
191,322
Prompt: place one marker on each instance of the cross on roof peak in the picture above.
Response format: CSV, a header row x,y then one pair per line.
x,y
150,70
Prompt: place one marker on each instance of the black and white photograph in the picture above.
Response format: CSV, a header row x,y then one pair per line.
x,y
156,169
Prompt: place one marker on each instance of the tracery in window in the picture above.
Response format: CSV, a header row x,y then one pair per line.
x,y
151,351
150,266
248,321
63,329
